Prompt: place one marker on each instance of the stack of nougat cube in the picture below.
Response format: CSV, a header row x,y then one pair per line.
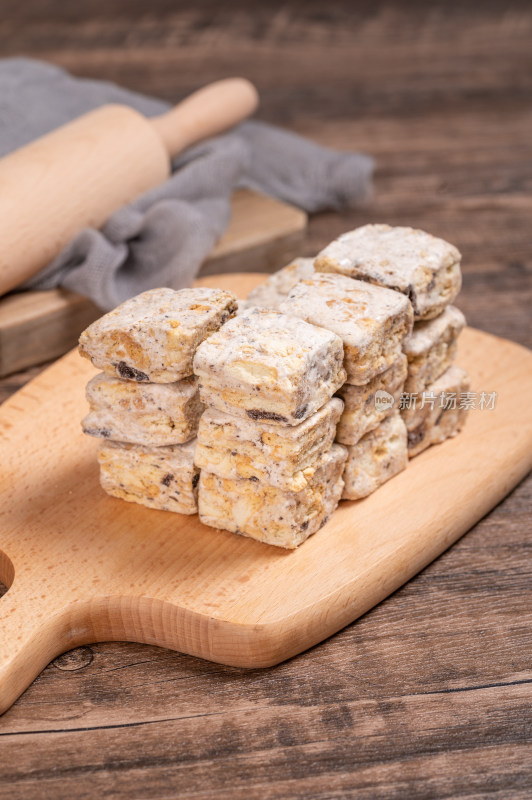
x,y
373,323
335,371
145,403
426,270
396,378
269,468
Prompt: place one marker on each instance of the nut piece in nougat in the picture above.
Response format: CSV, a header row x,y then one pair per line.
x,y
431,348
286,457
164,478
366,406
423,267
376,458
438,413
269,514
153,337
264,365
154,414
371,321
272,292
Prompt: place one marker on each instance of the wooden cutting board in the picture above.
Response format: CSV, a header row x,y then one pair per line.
x,y
35,327
84,567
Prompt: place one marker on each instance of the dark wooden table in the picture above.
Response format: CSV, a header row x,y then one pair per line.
x,y
429,695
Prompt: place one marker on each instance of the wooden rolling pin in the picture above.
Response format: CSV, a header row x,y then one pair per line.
x,y
81,173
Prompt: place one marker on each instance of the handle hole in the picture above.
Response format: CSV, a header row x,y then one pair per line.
x,y
7,573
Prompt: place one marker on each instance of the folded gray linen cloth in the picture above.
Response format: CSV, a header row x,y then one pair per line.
x,y
162,238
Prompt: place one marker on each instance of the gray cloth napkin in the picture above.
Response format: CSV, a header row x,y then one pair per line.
x,y
162,238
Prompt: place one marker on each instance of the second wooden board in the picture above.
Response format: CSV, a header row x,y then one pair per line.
x,y
264,234
84,567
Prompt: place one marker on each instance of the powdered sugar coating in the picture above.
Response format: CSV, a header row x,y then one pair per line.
x,y
371,321
414,262
267,366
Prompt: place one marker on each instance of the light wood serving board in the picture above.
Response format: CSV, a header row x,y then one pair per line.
x,y
264,234
84,567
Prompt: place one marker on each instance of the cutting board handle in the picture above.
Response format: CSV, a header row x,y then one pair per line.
x,y
208,112
31,635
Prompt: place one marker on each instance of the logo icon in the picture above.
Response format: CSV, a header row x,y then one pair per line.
x,y
383,400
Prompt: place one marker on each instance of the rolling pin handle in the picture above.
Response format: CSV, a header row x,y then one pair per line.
x,y
79,174
208,112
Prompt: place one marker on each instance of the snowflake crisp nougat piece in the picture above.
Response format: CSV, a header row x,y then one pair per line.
x,y
153,414
264,365
366,406
269,514
438,413
376,458
272,292
153,337
431,348
163,478
423,267
371,321
283,456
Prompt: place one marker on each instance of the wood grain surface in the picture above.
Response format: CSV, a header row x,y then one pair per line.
x,y
428,695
